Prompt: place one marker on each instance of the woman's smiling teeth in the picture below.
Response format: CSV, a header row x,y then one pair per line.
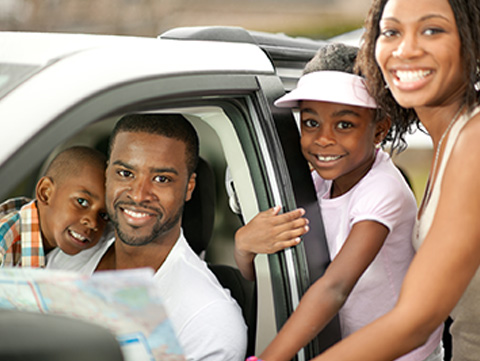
x,y
408,76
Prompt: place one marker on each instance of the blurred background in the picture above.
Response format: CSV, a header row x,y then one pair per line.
x,y
311,18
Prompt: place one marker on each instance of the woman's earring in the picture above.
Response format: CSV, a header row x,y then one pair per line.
x,y
477,80
378,145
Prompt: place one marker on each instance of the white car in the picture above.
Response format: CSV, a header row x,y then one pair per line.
x,y
57,90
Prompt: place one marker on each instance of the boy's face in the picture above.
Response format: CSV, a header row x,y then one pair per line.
x,y
75,216
339,140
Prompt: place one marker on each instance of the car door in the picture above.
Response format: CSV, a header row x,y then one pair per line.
x,y
294,269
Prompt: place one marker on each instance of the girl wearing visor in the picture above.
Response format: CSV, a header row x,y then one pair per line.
x,y
367,207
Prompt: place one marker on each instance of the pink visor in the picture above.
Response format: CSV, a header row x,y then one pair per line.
x,y
329,86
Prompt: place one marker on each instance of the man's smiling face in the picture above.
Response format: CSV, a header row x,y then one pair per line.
x,y
147,184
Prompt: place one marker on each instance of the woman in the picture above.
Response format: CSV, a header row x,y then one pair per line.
x,y
426,54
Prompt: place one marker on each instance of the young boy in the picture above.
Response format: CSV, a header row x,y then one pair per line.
x,y
68,212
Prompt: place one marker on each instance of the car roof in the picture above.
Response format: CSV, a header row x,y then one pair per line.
x,y
74,66
39,48
288,54
277,45
45,48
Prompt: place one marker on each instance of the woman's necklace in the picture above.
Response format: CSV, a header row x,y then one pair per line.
x,y
437,155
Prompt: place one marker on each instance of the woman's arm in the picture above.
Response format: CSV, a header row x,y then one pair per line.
x,y
439,273
268,232
327,295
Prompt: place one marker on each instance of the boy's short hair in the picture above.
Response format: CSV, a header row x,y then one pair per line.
x,y
70,162
173,126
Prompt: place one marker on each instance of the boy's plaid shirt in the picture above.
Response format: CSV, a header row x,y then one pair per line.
x,y
20,236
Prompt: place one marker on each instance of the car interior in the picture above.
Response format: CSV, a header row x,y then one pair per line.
x,y
197,223
209,200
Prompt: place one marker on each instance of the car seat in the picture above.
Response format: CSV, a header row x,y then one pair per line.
x,y
197,223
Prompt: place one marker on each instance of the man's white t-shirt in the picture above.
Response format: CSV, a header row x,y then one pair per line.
x,y
208,322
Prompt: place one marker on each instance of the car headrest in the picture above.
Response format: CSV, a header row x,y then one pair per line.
x,y
199,212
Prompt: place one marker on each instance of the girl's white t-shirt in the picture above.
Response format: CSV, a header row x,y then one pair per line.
x,y
383,196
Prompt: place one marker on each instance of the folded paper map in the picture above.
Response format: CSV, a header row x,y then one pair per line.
x,y
126,302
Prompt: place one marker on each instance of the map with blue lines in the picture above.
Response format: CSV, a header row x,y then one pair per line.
x,y
126,302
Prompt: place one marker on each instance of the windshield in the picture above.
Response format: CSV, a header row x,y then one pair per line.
x,y
12,75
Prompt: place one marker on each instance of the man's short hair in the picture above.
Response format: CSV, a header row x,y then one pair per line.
x,y
173,126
